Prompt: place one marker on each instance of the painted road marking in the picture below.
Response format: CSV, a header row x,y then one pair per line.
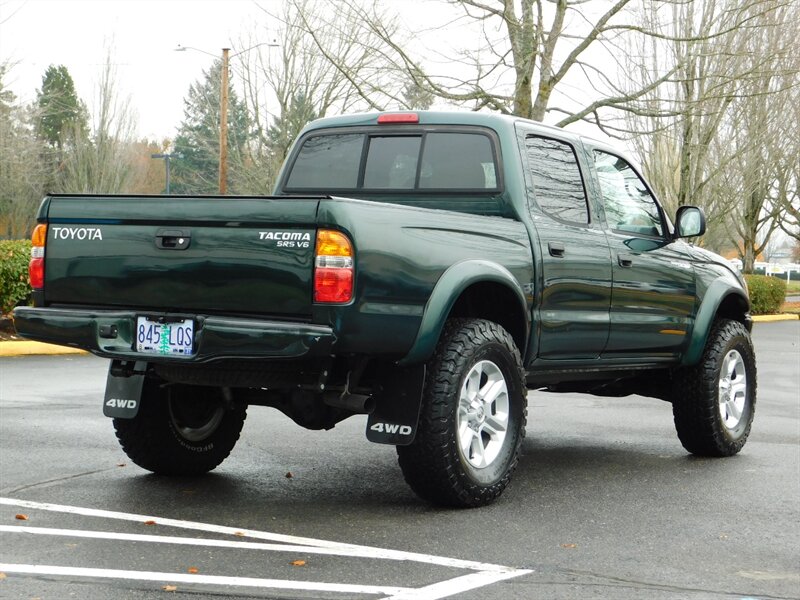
x,y
344,549
207,579
484,573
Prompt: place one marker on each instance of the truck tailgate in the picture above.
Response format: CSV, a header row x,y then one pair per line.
x,y
214,255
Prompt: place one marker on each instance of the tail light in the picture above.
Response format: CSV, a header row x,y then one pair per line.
x,y
36,266
333,272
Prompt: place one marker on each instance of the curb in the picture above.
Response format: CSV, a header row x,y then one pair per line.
x,y
25,348
773,318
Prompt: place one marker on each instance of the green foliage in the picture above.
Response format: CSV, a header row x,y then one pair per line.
x,y
62,115
14,287
286,127
196,171
766,293
7,97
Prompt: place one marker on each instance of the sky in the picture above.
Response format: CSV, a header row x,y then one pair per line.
x,y
143,34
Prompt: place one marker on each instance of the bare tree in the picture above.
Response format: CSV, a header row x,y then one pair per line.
x,y
102,162
757,177
787,181
705,44
22,170
517,55
288,81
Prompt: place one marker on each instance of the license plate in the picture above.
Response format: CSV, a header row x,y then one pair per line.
x,y
166,339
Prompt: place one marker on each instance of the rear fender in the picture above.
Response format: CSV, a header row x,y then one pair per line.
x,y
450,286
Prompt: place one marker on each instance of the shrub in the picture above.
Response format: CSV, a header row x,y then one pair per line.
x,y
766,293
14,287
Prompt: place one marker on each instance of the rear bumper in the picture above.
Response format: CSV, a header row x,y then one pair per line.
x,y
215,337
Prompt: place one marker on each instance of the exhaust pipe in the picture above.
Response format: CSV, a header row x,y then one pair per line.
x,y
357,403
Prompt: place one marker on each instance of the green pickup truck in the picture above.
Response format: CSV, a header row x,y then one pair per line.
x,y
424,268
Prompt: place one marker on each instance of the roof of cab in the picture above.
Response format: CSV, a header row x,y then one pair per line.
x,y
426,117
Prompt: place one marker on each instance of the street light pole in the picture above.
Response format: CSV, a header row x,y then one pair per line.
x,y
223,107
223,124
166,156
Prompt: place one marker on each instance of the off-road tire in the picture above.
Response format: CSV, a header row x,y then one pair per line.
x,y
696,407
434,465
180,429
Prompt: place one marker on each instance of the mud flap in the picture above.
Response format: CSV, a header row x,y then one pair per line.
x,y
123,389
398,398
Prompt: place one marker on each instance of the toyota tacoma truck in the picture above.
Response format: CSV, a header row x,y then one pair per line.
x,y
426,269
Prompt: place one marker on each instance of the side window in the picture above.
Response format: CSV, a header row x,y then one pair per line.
x,y
557,180
628,204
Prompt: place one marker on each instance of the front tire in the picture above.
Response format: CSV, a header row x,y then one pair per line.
x,y
181,429
714,401
472,420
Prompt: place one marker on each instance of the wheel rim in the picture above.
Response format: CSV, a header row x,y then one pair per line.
x,y
732,389
195,421
482,414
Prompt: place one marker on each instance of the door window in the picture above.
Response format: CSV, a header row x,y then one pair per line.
x,y
557,180
629,206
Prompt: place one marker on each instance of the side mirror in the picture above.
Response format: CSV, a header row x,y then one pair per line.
x,y
689,222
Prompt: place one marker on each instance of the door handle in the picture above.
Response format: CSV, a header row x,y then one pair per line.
x,y
556,249
173,239
625,260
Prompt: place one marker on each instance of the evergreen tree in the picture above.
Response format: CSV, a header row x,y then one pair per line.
x,y
62,115
287,126
7,97
197,170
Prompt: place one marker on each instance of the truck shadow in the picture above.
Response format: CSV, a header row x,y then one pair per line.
x,y
549,471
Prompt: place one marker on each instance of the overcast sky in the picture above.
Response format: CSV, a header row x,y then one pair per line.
x,y
144,35
37,33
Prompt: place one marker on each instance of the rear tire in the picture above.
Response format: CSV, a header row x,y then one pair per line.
x,y
472,419
714,401
180,429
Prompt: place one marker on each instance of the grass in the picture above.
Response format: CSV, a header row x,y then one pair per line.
x,y
793,287
792,308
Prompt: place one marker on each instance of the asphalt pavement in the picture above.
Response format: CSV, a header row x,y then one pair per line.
x,y
605,504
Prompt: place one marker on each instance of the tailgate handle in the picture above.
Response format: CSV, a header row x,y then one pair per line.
x,y
173,239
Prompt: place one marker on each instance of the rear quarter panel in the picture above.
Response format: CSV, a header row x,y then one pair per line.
x,y
401,253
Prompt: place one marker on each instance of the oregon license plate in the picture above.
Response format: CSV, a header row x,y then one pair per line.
x,y
166,339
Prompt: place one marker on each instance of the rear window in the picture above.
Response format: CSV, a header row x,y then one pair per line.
x,y
328,161
443,161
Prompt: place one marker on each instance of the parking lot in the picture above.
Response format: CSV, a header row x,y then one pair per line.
x,y
605,504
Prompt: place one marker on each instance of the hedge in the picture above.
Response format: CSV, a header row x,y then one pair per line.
x,y
14,286
767,294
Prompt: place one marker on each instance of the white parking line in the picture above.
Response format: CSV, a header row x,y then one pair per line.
x,y
485,573
207,579
343,549
183,541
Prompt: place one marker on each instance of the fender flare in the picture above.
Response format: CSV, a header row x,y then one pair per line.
x,y
716,293
446,292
